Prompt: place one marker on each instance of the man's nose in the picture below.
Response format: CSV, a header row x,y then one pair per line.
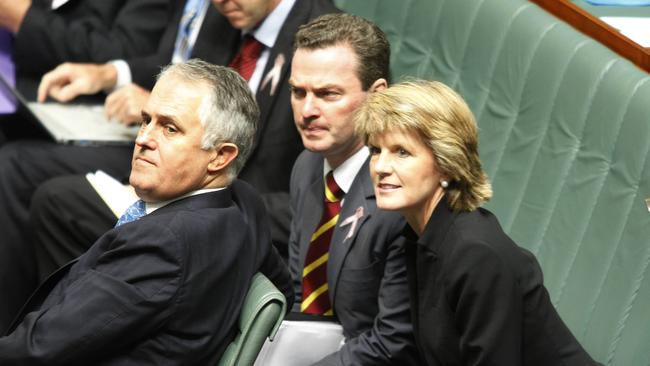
x,y
310,107
146,136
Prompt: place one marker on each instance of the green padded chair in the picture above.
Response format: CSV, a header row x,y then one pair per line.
x,y
263,311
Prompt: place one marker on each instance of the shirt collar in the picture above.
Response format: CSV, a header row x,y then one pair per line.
x,y
267,32
345,173
153,206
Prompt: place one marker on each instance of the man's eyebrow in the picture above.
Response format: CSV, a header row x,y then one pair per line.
x,y
317,87
327,86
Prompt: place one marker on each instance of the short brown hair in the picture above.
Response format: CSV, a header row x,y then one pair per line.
x,y
366,39
446,125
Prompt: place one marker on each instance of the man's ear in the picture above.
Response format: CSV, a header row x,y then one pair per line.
x,y
223,155
379,85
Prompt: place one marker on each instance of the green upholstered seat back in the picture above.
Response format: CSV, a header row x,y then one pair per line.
x,y
565,138
261,315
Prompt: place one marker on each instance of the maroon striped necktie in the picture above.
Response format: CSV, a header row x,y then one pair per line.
x,y
245,61
315,294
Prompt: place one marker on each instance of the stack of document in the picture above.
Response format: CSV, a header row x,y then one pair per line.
x,y
117,196
300,343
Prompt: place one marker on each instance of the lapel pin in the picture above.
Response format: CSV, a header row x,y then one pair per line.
x,y
273,75
352,221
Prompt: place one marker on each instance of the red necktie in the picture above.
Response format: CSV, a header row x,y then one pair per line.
x,y
315,297
245,61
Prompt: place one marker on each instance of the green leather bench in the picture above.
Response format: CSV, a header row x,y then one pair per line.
x,y
565,138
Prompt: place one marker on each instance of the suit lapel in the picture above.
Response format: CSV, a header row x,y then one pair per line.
x,y
277,67
359,205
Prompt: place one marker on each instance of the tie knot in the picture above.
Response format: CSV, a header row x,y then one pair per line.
x,y
251,47
134,212
245,61
333,193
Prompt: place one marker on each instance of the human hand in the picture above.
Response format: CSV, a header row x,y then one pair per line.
x,y
126,103
12,13
69,80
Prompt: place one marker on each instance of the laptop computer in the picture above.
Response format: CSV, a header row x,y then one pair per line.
x,y
78,124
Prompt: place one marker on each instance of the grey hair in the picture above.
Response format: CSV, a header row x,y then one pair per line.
x,y
228,114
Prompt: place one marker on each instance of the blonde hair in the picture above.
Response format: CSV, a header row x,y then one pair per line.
x,y
446,125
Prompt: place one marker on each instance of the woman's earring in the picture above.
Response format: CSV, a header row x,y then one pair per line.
x,y
444,183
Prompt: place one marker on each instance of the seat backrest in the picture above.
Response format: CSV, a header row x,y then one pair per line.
x,y
263,311
565,139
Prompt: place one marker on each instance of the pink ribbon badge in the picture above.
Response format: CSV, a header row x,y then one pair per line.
x,y
353,221
274,74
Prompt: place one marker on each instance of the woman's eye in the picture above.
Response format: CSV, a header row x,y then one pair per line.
x,y
403,153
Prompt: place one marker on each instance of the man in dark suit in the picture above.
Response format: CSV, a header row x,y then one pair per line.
x,y
359,276
77,30
277,143
25,165
166,285
48,33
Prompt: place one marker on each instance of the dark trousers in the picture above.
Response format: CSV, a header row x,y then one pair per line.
x,y
66,217
24,166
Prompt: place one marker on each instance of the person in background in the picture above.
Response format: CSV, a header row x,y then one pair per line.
x,y
47,33
476,297
66,211
71,212
346,257
166,285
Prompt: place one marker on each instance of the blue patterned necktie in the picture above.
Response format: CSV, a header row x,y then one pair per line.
x,y
191,12
134,212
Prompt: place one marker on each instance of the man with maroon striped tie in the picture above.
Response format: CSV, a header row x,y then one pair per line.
x,y
345,257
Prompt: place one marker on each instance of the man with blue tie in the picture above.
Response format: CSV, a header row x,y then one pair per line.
x,y
83,216
164,287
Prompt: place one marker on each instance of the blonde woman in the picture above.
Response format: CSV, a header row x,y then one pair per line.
x,y
476,297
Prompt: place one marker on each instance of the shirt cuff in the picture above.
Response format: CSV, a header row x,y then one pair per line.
x,y
123,73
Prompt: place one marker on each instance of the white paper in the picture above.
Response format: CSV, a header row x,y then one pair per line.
x,y
117,196
300,343
634,28
58,3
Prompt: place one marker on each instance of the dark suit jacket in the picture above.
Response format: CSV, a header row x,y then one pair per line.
x,y
366,272
88,31
277,142
163,290
479,299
